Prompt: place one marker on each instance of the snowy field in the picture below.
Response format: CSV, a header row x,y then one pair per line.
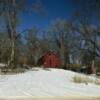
x,y
39,83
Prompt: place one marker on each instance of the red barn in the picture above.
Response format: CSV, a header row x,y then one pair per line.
x,y
50,60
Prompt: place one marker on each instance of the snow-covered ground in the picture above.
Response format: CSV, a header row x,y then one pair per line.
x,y
45,83
3,65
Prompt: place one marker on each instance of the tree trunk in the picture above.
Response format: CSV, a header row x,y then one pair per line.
x,y
12,29
12,56
62,56
94,54
93,67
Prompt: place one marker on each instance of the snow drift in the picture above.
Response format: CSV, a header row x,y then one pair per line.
x,y
45,83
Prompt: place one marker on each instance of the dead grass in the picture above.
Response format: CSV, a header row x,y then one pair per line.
x,y
7,71
97,82
85,79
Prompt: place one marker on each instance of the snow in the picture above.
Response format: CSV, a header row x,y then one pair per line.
x,y
3,65
40,82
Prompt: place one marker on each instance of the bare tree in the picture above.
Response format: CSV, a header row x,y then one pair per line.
x,y
62,36
11,10
32,44
86,24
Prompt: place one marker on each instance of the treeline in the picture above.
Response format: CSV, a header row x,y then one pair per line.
x,y
76,40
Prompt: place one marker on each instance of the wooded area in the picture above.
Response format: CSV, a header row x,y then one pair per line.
x,y
76,40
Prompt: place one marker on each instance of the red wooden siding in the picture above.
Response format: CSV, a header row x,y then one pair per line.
x,y
51,60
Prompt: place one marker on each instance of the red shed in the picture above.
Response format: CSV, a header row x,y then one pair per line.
x,y
50,60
